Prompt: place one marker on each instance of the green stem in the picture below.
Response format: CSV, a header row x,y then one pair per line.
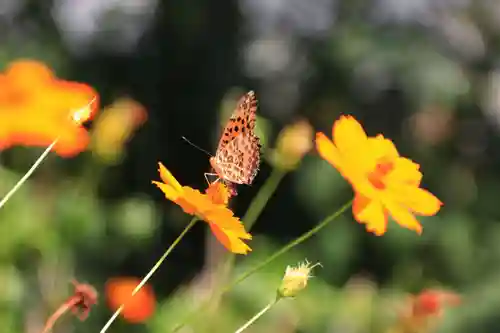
x,y
275,255
151,272
260,200
290,245
28,174
252,214
257,316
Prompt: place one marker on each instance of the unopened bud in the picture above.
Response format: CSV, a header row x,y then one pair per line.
x,y
293,142
295,279
115,127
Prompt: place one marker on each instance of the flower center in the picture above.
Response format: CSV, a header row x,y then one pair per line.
x,y
377,176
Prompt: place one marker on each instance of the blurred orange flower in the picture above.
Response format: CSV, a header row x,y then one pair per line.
x,y
36,108
137,308
114,127
210,207
385,183
431,302
423,311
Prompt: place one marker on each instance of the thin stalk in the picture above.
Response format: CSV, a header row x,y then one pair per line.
x,y
59,312
260,200
151,272
28,174
269,259
257,316
252,214
289,246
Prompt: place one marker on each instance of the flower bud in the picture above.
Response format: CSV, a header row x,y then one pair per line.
x,y
293,142
114,127
295,279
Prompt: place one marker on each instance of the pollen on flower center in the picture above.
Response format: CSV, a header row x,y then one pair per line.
x,y
83,114
377,176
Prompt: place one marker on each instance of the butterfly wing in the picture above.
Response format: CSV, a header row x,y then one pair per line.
x,y
239,160
238,155
242,120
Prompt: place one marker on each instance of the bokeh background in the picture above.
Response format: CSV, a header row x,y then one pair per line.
x,y
425,73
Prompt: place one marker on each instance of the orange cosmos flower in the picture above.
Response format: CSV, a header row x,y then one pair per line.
x,y
210,207
139,307
36,108
385,183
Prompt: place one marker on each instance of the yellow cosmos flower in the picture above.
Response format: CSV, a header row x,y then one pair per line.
x,y
210,207
384,182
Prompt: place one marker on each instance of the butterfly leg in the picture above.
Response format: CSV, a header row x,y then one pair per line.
x,y
211,174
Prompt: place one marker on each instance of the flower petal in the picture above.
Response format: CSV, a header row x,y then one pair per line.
x,y
224,219
193,202
405,171
370,212
229,240
28,74
168,190
403,216
348,134
218,193
327,150
381,147
168,178
422,202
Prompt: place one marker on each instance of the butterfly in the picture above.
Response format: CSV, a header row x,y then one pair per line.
x,y
238,154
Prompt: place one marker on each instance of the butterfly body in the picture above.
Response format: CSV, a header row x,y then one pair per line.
x,y
237,158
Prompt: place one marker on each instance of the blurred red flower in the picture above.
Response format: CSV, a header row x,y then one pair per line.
x,y
139,307
431,302
36,108
423,311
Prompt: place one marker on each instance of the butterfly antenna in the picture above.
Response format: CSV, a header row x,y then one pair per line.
x,y
197,147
